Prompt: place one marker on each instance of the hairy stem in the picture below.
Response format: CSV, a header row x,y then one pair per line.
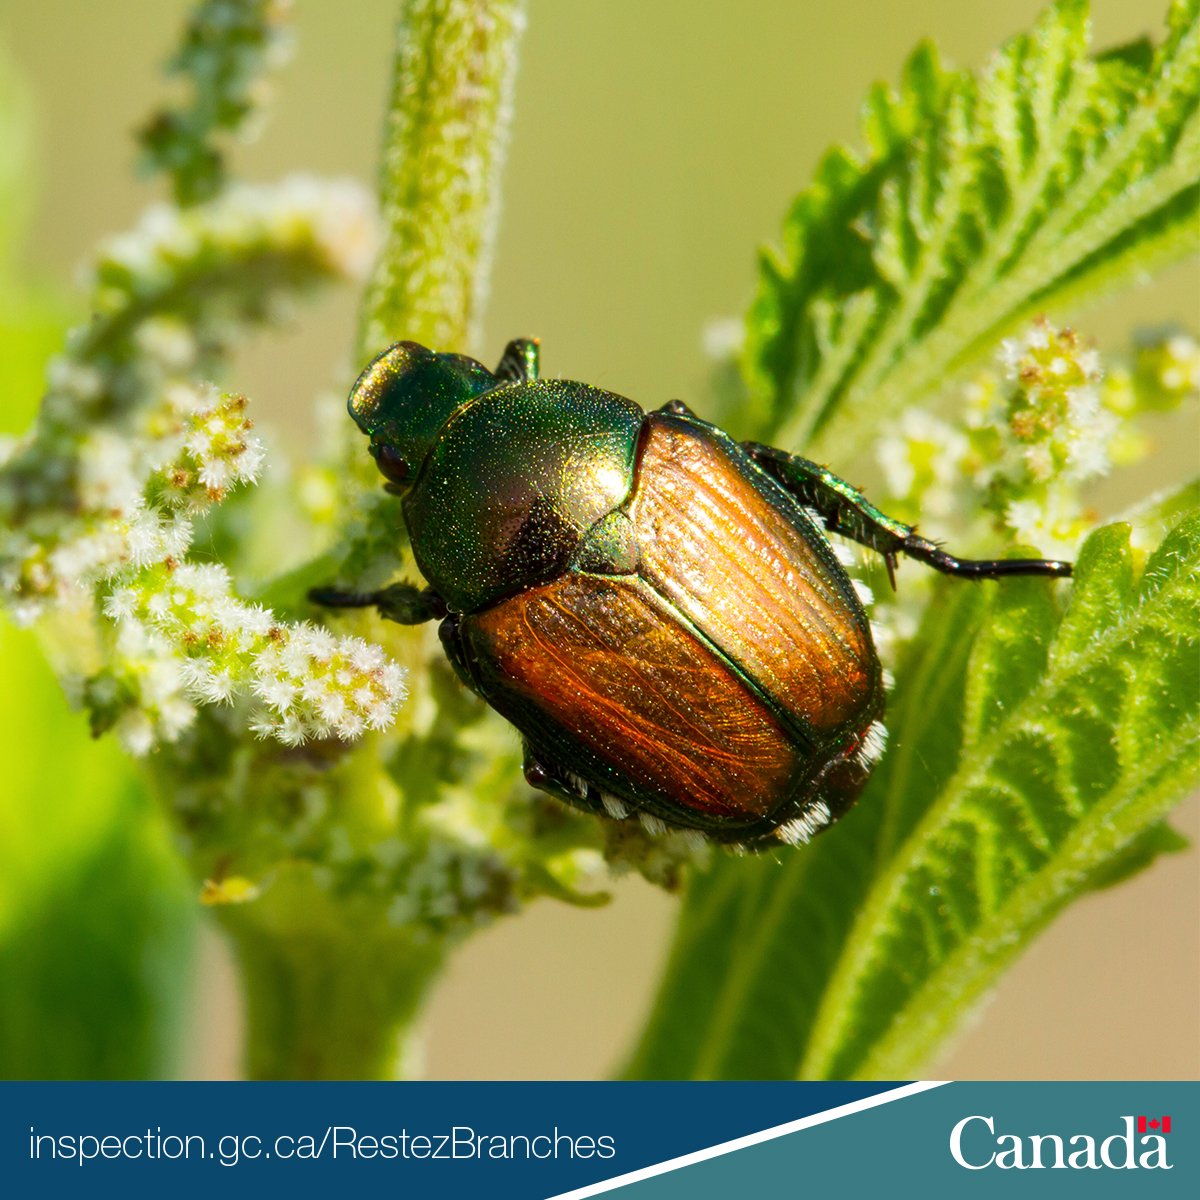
x,y
339,1002
444,143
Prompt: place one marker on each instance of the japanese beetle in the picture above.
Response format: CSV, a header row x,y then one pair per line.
x,y
654,606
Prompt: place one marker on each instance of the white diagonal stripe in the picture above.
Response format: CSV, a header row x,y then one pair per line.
x,y
751,1139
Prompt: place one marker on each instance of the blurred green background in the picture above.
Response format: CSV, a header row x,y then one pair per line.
x,y
655,147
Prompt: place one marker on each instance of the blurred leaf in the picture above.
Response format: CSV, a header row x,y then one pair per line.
x,y
983,198
96,918
1075,734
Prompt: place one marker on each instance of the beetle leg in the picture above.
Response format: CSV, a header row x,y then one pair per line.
x,y
455,646
676,408
520,361
404,603
540,773
545,778
843,509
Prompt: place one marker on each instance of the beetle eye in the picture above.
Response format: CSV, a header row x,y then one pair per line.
x,y
394,468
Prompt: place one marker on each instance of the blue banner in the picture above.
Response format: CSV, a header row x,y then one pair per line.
x,y
647,1141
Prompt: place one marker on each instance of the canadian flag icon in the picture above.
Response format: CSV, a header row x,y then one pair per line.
x,y
1157,1124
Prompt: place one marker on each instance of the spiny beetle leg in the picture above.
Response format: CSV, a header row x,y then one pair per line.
x,y
930,553
519,363
843,509
404,603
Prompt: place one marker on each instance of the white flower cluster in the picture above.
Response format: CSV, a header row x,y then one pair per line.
x,y
131,498
321,227
1024,444
1054,422
169,298
1045,435
129,447
302,680
217,452
143,692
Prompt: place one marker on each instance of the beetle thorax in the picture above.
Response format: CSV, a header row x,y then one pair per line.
x,y
514,482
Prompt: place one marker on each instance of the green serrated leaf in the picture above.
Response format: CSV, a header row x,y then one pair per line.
x,y
1009,655
1163,510
1048,176
1139,854
1034,754
1106,561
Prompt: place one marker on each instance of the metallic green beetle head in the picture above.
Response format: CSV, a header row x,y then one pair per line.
x,y
405,396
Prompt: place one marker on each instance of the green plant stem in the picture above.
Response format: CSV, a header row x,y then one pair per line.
x,y
334,997
326,998
317,1010
444,143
